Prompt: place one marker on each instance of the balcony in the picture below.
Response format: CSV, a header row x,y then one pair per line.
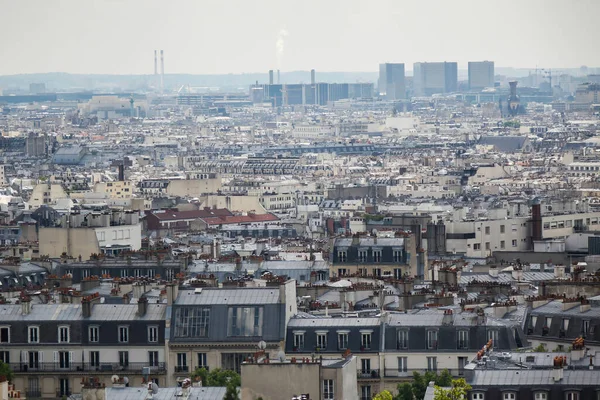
x,y
62,393
182,368
110,368
368,374
33,394
407,373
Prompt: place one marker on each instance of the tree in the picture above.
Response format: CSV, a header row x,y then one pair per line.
x,y
444,379
419,385
405,392
385,395
540,349
6,371
231,393
217,377
457,391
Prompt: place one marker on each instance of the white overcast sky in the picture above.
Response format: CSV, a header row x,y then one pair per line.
x,y
234,36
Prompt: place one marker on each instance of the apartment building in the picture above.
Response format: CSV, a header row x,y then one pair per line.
x,y
50,347
220,328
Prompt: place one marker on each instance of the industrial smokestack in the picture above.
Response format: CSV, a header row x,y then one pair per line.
x,y
162,71
278,77
312,77
155,63
270,77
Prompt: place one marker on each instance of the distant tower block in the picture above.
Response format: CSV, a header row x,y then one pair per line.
x,y
155,63
312,77
513,100
270,77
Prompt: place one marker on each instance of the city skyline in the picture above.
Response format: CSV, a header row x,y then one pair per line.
x,y
209,38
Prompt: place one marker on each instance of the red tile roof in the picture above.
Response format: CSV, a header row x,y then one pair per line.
x,y
240,219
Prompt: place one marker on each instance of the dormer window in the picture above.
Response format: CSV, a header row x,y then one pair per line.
x,y
342,256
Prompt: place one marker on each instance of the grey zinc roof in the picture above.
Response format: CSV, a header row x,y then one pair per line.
x,y
138,393
72,312
533,377
556,307
370,241
209,296
332,322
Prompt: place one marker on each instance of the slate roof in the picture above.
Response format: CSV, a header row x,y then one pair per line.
x,y
238,296
542,378
192,214
504,144
136,393
72,312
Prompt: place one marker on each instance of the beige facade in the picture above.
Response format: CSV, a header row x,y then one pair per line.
x,y
73,241
282,380
234,203
46,194
114,190
194,187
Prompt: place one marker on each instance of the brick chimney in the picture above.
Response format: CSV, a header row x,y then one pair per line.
x,y
142,306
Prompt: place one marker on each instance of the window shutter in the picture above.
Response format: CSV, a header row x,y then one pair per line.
x,y
56,356
24,356
70,357
41,356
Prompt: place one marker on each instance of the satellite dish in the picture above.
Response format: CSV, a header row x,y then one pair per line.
x,y
281,356
126,380
114,378
262,345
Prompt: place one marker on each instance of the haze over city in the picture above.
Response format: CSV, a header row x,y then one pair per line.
x,y
216,37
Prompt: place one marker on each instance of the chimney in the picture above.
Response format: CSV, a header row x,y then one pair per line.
x,y
25,305
270,77
278,77
559,271
142,306
494,271
122,172
312,77
557,371
172,292
86,307
448,318
155,63
355,239
162,71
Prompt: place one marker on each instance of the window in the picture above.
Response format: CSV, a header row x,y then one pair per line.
x,y
4,334
585,326
202,361
342,340
572,396
298,341
397,273
124,358
365,392
432,339
365,365
513,227
94,334
502,244
5,357
153,358
431,363
509,396
397,256
487,230
33,358
192,322
493,336
365,341
376,255
502,229
245,321
362,255
402,364
123,334
63,358
342,256
477,396
34,334
63,334
540,396
153,334
477,246
402,339
328,392
321,341
565,324
487,245
514,243
94,358
463,340
63,387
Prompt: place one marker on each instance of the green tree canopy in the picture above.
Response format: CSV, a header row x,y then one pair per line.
x,y
457,391
217,377
405,392
385,395
6,371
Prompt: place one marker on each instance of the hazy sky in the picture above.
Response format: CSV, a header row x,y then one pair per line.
x,y
233,36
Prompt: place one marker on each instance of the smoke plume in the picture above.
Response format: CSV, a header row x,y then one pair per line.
x,y
280,46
